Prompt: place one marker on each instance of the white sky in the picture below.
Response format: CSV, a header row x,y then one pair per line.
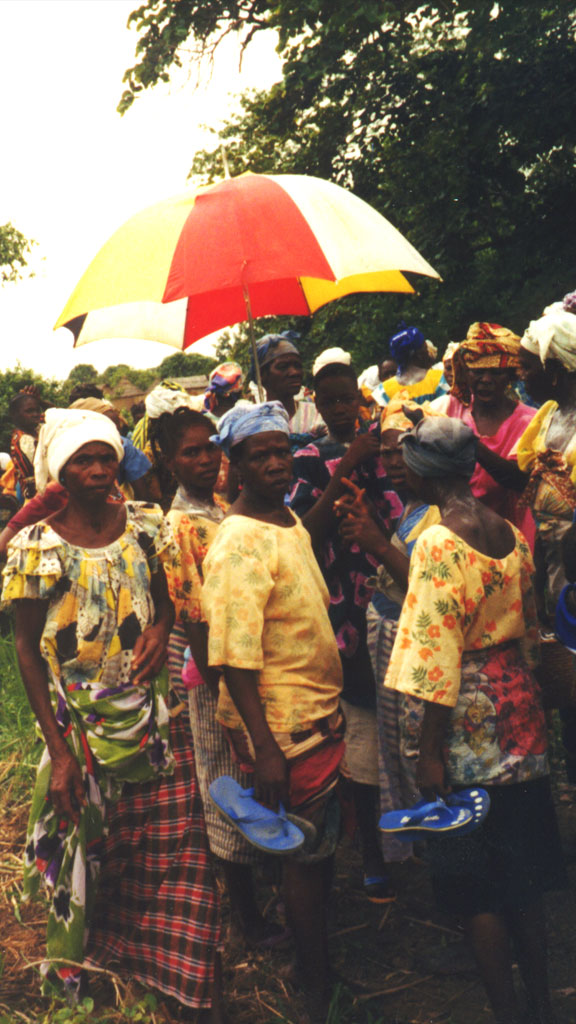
x,y
72,170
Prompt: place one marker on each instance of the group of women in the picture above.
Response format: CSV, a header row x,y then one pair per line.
x,y
117,826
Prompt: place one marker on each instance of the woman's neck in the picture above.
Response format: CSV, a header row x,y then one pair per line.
x,y
566,391
205,497
90,524
489,416
262,507
289,402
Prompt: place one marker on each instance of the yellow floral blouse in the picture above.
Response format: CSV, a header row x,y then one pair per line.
x,y
459,601
266,605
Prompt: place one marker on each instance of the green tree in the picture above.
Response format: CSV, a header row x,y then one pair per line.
x,y
185,364
454,119
53,392
83,373
14,251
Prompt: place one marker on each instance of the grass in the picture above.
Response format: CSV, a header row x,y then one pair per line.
x,y
20,748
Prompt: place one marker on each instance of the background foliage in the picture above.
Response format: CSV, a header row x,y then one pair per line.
x,y
454,119
112,380
14,251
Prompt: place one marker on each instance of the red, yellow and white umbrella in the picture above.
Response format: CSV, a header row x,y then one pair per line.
x,y
251,246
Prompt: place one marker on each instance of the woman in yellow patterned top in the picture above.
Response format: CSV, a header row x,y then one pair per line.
x,y
466,644
116,827
266,605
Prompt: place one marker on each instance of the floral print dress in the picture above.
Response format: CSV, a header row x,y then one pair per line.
x,y
468,638
98,604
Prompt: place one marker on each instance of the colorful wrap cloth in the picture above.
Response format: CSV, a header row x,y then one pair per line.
x,y
553,336
487,346
226,379
439,446
98,603
551,490
238,424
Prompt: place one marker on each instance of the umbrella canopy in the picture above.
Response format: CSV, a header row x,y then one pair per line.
x,y
256,245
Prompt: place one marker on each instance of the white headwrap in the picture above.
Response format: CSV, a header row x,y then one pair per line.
x,y
162,399
553,336
65,431
329,356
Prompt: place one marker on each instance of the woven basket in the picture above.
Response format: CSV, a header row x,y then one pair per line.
x,y
557,674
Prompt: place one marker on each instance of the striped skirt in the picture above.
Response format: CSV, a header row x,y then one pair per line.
x,y
398,722
212,756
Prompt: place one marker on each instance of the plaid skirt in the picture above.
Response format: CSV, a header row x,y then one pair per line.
x,y
212,757
157,916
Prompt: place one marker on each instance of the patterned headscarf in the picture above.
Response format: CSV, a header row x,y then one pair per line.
x,y
553,336
404,344
487,346
393,416
240,423
226,379
271,347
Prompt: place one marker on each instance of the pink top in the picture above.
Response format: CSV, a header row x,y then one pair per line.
x,y
501,499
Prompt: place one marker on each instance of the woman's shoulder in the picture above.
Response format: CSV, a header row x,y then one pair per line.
x,y
40,536
145,515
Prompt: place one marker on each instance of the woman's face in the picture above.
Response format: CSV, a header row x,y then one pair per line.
x,y
90,473
265,465
539,380
391,455
489,385
196,461
283,376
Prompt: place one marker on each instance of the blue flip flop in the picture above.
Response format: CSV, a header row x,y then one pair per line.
x,y
475,800
270,831
425,816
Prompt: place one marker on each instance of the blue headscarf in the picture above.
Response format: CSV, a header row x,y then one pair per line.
x,y
240,423
440,446
271,346
405,343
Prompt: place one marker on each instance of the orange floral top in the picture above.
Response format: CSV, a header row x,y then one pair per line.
x,y
459,601
193,535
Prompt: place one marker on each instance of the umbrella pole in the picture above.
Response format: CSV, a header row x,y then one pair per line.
x,y
261,395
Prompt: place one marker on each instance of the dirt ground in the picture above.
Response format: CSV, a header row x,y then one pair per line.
x,y
379,952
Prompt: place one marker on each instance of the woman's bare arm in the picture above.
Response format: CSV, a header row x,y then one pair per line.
x,y
66,788
270,766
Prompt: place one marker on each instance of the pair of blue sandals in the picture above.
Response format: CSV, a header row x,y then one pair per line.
x,y
279,832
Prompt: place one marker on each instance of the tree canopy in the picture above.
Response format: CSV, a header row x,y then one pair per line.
x,y
14,251
454,119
